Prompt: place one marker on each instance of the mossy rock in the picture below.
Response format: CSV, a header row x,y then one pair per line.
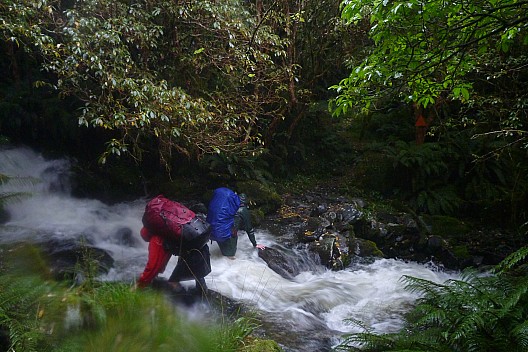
x,y
448,227
260,195
364,248
252,344
461,252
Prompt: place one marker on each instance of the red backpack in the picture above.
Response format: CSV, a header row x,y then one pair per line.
x,y
165,217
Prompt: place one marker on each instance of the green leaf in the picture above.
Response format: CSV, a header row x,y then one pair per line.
x,y
465,93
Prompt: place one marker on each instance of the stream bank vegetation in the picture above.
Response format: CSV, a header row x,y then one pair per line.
x,y
40,314
459,71
462,68
476,313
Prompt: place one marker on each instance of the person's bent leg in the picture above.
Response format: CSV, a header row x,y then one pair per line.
x,y
176,277
201,286
229,247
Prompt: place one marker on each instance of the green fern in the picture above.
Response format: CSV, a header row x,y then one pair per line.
x,y
424,177
11,197
442,200
19,310
517,258
475,313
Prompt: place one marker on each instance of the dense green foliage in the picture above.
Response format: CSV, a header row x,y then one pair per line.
x,y
141,69
429,51
476,313
165,77
238,85
462,66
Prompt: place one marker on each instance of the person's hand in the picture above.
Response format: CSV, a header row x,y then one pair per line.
x,y
260,246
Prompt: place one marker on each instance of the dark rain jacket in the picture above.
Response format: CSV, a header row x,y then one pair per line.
x,y
243,222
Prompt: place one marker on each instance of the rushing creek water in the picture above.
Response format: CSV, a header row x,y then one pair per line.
x,y
313,306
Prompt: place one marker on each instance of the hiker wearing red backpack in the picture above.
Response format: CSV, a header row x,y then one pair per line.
x,y
173,229
227,213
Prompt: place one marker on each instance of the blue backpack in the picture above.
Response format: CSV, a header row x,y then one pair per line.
x,y
221,213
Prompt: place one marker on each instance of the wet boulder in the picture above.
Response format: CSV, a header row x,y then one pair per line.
x,y
439,251
313,229
70,258
328,251
124,236
348,215
279,262
364,248
4,215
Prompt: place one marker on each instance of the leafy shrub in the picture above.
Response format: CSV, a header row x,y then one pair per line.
x,y
233,167
421,174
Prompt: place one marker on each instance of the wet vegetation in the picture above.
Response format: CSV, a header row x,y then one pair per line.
x,y
476,313
41,314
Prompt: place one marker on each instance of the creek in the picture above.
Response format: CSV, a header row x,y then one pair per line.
x,y
306,313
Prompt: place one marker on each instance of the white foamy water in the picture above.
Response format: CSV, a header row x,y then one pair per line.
x,y
315,300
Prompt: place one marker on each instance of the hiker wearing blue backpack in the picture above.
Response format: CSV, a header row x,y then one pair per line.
x,y
227,213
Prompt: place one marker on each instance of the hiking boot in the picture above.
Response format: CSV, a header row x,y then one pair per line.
x,y
176,288
201,287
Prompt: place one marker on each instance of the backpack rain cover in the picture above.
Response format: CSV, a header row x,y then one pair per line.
x,y
165,217
221,213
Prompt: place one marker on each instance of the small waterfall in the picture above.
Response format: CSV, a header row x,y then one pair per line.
x,y
30,172
308,312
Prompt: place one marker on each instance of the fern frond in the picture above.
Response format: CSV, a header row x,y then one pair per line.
x,y
431,316
367,342
7,196
520,335
423,286
358,324
513,260
12,197
472,314
18,301
517,295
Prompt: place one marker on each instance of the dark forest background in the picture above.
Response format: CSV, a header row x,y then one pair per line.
x,y
146,93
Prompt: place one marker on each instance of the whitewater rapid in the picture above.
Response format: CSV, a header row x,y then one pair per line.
x,y
314,300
